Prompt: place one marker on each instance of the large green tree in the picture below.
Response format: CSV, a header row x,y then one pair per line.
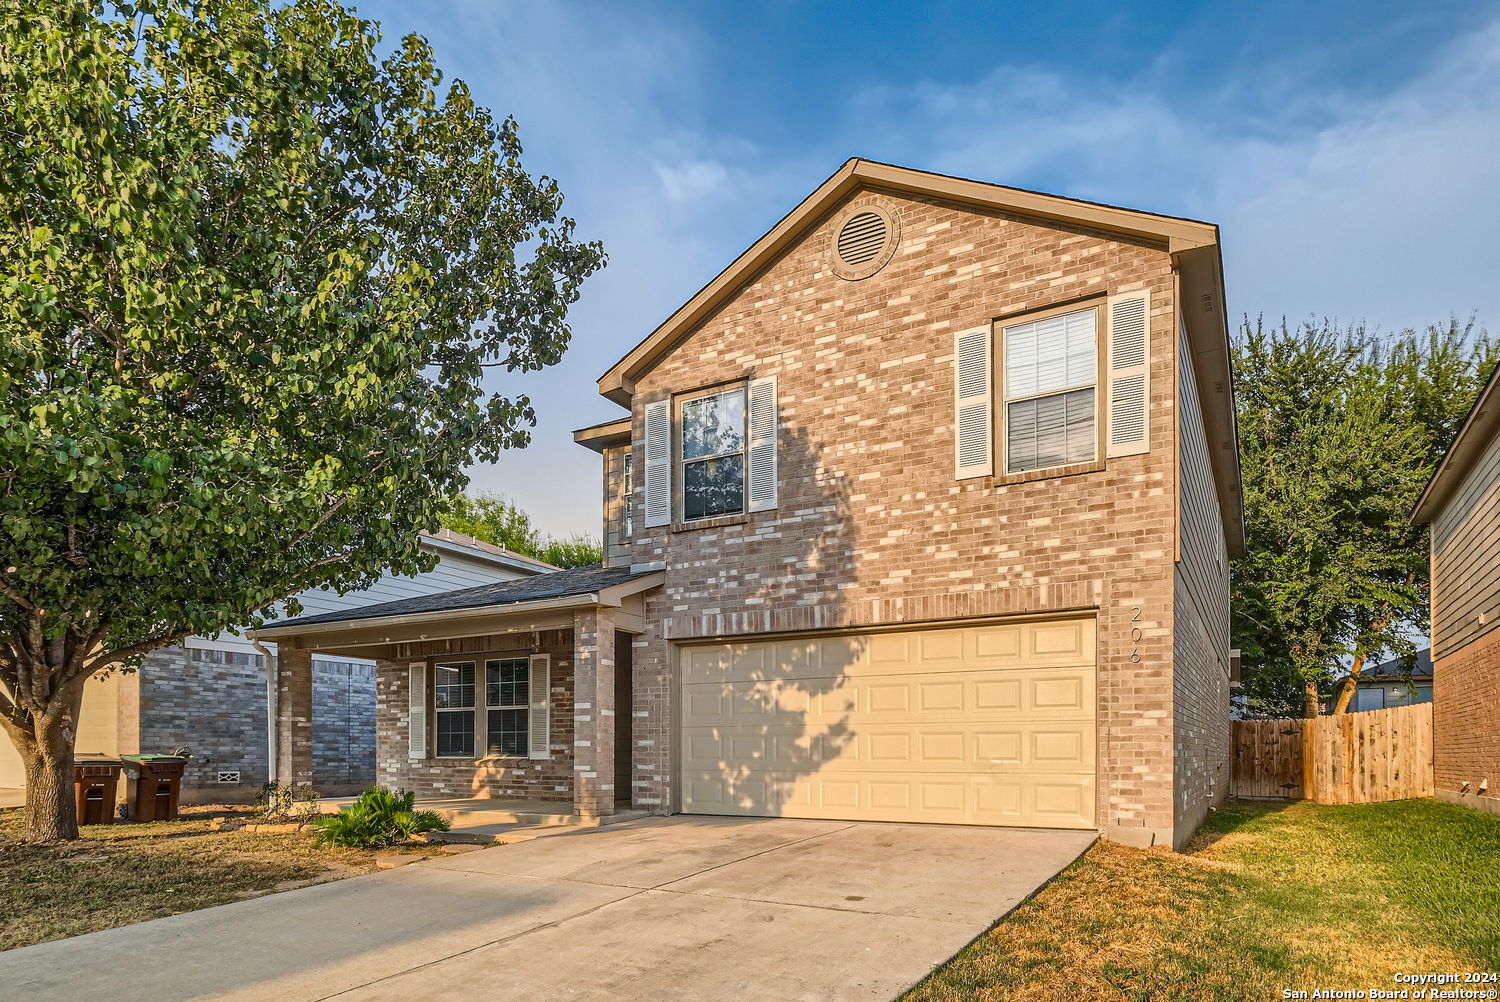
x,y
1340,430
257,270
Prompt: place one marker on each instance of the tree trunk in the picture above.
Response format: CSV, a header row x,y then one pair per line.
x,y
1346,691
52,812
1310,700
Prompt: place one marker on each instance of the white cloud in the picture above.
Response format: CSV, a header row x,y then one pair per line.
x,y
1385,211
690,182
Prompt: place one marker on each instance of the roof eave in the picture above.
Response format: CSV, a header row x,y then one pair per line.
x,y
521,564
1201,281
610,596
1481,425
606,435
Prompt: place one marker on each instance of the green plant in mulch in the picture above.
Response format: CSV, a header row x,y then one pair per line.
x,y
378,818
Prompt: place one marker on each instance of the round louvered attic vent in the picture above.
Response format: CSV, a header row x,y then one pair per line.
x,y
861,239
864,238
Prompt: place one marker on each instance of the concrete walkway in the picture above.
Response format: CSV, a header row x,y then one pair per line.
x,y
661,909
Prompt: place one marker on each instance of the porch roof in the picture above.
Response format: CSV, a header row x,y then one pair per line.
x,y
577,586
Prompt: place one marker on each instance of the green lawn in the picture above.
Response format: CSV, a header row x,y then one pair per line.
x,y
1269,897
118,874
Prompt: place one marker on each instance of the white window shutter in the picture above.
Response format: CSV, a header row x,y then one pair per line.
x,y
1129,373
659,463
416,703
761,452
973,402
540,738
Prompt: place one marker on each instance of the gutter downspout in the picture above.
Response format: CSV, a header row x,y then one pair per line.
x,y
271,707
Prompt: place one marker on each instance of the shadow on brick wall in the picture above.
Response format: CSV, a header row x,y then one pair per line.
x,y
775,713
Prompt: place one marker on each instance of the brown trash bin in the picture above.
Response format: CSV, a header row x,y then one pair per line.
x,y
96,784
155,783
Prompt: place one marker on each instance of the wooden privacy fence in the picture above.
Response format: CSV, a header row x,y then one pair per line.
x,y
1351,758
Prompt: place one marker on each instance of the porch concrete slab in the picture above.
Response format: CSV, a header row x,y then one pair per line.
x,y
940,872
703,908
644,853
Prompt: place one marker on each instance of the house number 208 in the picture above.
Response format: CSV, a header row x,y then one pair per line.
x,y
1135,634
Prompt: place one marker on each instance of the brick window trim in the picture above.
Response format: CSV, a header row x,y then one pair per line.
x,y
717,522
1047,473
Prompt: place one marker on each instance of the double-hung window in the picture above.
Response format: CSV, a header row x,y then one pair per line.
x,y
507,688
487,715
453,701
713,454
1050,399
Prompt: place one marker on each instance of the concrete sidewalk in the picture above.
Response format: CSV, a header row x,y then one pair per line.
x,y
667,908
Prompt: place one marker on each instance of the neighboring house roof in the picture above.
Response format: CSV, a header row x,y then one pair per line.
x,y
1194,247
1479,429
446,540
565,584
1395,668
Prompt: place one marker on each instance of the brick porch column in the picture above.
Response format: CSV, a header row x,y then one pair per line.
x,y
294,746
594,712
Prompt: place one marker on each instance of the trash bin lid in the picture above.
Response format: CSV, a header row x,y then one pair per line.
x,y
153,758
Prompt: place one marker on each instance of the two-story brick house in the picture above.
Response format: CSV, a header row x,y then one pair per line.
x,y
921,511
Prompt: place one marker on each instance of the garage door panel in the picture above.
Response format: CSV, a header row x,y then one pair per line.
x,y
985,725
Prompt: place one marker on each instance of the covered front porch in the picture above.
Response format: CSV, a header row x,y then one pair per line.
x,y
508,694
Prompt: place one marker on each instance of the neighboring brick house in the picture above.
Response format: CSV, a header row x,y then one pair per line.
x,y
1462,505
922,511
209,693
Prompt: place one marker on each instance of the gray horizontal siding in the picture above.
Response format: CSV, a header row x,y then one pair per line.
x,y
1466,558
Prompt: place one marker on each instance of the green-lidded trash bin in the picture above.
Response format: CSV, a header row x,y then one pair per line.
x,y
154,786
96,783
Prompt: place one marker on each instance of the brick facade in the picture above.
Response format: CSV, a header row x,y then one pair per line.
x,y
486,777
213,700
872,526
1466,722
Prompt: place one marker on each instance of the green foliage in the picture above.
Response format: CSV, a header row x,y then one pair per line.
x,y
495,519
376,819
255,269
1340,431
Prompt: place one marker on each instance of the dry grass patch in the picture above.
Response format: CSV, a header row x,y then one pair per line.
x,y
119,874
1267,898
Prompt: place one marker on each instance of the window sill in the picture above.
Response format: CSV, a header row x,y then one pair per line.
x,y
1050,473
710,523
492,759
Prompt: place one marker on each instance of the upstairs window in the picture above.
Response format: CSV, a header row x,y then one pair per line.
x,y
713,454
1050,399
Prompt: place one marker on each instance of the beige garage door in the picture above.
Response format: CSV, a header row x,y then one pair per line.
x,y
989,725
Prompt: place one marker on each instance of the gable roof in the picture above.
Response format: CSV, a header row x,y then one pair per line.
x,y
1478,431
1193,244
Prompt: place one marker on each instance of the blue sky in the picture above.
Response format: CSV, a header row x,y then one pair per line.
x,y
1350,151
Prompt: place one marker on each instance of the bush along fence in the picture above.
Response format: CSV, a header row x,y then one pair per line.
x,y
1351,758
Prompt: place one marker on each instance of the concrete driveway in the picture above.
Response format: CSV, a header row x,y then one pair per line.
x,y
666,908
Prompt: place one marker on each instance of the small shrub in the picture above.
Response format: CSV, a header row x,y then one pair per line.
x,y
378,818
283,801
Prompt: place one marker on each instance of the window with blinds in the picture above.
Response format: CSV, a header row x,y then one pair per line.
x,y
1051,375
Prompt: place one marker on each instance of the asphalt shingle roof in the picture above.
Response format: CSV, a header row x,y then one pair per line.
x,y
556,584
1396,667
